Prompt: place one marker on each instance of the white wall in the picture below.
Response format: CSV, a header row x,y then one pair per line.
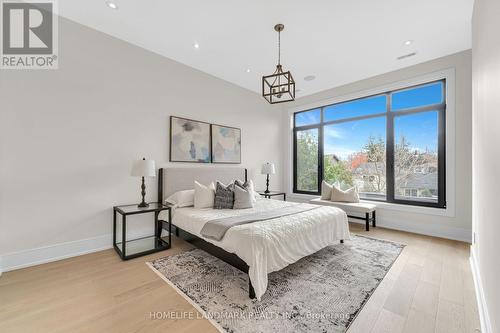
x,y
68,136
455,223
486,160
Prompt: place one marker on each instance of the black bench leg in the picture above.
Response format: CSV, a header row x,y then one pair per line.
x,y
367,220
177,231
374,223
251,292
341,241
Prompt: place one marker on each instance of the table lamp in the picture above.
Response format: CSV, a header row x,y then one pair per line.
x,y
143,168
267,169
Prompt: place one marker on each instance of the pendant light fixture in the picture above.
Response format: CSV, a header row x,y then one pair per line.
x,y
278,87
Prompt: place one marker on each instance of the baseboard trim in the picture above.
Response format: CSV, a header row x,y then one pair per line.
x,y
434,230
459,234
42,255
484,317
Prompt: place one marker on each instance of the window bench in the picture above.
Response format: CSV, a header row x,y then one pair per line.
x,y
352,208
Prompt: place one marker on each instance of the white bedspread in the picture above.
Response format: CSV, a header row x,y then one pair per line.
x,y
271,245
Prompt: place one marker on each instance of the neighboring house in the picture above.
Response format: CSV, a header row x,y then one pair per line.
x,y
370,177
426,168
419,185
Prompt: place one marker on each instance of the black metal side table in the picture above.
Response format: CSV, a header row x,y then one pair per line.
x,y
128,249
272,194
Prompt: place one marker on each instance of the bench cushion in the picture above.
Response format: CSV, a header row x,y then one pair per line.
x,y
348,207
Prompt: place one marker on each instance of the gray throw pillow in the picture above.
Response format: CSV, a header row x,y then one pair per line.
x,y
224,196
243,198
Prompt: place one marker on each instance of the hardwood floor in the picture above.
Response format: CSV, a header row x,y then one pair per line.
x,y
428,289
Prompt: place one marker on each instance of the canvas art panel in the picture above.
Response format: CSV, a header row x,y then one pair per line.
x,y
226,144
189,140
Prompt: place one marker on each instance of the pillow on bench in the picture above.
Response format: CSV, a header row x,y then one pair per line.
x,y
333,193
326,190
350,195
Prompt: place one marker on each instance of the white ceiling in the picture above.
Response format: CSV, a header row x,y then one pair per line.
x,y
338,41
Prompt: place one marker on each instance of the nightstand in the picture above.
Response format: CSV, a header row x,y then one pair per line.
x,y
128,249
272,194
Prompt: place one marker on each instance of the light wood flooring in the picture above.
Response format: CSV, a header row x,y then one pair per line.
x,y
428,289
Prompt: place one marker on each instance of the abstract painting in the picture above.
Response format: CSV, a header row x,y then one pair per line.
x,y
189,140
226,144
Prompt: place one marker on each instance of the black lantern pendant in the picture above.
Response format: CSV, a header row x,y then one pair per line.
x,y
278,87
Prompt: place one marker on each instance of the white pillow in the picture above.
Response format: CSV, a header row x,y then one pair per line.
x,y
251,189
243,197
181,198
350,195
204,195
326,190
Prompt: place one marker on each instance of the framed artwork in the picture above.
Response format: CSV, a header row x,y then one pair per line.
x,y
226,144
189,140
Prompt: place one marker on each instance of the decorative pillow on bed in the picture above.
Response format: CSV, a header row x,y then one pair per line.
x,y
326,190
204,195
224,196
248,185
181,199
350,195
243,197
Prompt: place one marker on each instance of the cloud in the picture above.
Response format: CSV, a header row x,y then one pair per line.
x,y
342,152
331,133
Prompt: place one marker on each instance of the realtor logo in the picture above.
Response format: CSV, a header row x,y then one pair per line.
x,y
29,39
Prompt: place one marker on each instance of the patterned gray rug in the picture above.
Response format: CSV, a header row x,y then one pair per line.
x,y
320,293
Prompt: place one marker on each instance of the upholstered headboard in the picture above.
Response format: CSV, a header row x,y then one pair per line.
x,y
171,180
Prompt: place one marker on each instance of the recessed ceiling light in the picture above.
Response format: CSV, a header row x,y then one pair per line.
x,y
408,42
248,70
196,45
309,78
111,4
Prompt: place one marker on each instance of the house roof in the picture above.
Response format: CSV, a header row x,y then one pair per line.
x,y
418,180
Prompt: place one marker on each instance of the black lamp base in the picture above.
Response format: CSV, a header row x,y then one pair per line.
x,y
267,185
143,204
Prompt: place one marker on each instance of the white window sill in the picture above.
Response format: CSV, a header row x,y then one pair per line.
x,y
448,212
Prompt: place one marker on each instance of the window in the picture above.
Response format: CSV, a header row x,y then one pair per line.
x,y
307,160
390,146
354,155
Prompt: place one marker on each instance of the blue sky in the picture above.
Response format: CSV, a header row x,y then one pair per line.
x,y
346,138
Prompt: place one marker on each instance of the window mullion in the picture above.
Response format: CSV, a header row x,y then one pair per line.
x,y
442,158
320,151
389,153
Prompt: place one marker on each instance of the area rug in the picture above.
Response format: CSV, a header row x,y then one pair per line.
x,y
320,293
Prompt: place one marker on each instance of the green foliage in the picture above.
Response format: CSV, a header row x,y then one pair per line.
x,y
337,172
307,161
426,193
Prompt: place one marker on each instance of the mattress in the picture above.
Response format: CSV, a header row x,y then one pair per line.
x,y
270,245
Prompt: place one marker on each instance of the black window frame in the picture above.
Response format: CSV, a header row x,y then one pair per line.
x,y
390,117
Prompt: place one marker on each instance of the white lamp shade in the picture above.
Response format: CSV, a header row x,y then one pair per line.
x,y
268,169
143,168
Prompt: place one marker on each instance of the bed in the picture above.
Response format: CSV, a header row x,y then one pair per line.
x,y
257,248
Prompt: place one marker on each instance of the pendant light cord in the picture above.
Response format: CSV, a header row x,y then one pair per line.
x,y
279,47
